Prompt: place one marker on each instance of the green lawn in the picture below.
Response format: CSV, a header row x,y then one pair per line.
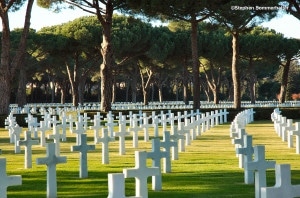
x,y
208,168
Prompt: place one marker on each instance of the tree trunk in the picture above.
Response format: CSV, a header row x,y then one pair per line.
x,y
74,83
252,81
145,95
133,88
236,72
284,81
21,94
195,62
160,93
52,87
81,90
113,99
7,69
107,56
63,90
185,85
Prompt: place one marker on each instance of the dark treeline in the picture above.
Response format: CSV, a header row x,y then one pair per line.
x,y
152,63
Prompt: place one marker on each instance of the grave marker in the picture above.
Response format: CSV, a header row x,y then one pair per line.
x,y
283,187
247,151
259,165
135,129
16,132
56,136
83,148
156,155
105,139
28,142
167,144
42,129
141,172
51,160
146,126
6,181
121,134
296,132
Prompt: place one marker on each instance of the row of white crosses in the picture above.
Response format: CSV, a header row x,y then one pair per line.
x,y
173,105
286,129
81,125
255,169
141,172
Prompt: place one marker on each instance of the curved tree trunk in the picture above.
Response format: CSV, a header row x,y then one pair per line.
x,y
236,72
284,81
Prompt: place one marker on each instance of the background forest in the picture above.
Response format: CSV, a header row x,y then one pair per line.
x,y
205,51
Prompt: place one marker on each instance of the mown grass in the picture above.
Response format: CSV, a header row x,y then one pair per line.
x,y
208,167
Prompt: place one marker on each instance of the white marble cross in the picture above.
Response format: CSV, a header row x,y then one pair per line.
x,y
110,123
121,134
283,186
247,151
167,144
6,181
47,119
79,129
259,165
175,136
28,142
141,172
239,143
63,125
42,129
56,136
71,120
135,129
97,126
146,127
32,125
85,121
10,122
296,132
289,128
16,132
155,122
83,148
184,132
105,139
156,156
51,160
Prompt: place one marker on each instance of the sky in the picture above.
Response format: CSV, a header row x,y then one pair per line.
x,y
40,17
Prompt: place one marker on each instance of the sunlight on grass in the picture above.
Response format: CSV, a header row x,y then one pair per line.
x,y
208,168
